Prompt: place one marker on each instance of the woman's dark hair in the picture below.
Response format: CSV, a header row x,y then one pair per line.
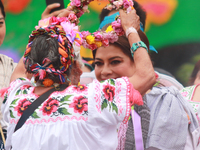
x,y
194,73
2,9
43,47
139,11
123,43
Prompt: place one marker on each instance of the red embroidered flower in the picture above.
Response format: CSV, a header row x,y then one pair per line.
x,y
22,106
24,87
50,106
79,104
81,88
109,92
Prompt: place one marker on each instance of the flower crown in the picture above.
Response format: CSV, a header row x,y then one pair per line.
x,y
110,35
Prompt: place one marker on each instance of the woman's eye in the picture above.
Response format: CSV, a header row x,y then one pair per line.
x,y
115,62
1,22
97,63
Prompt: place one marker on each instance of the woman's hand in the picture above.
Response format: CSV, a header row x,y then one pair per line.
x,y
129,20
59,13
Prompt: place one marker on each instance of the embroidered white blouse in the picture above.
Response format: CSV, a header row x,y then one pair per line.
x,y
83,117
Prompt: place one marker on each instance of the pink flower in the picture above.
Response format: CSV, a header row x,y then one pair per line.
x,y
111,36
92,46
79,104
109,92
80,13
76,3
24,87
85,34
72,17
126,4
105,42
22,106
81,88
49,107
117,4
184,94
98,36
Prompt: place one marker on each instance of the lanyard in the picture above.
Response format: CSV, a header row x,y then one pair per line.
x,y
137,130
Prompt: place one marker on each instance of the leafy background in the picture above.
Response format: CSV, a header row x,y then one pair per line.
x,y
172,28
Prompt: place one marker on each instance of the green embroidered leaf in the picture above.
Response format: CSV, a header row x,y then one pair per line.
x,y
5,98
24,92
17,93
114,108
34,115
112,81
14,101
11,114
22,79
102,81
104,104
63,111
66,98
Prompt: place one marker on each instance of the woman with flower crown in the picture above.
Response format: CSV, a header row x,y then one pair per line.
x,y
81,116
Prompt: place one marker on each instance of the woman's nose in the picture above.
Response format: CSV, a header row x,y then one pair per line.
x,y
106,70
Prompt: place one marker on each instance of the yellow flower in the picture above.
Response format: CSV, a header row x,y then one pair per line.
x,y
68,4
109,29
98,43
90,39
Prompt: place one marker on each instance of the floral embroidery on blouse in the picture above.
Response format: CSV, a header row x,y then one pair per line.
x,y
108,96
80,104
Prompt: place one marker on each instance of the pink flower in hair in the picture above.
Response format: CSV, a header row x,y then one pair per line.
x,y
72,17
116,25
85,33
85,8
131,2
98,36
80,13
117,4
92,46
105,42
126,4
111,37
43,23
76,3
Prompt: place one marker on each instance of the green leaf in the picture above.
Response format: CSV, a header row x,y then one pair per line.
x,y
66,98
104,104
112,81
17,93
24,92
14,102
22,79
5,98
102,81
114,108
63,111
34,115
11,114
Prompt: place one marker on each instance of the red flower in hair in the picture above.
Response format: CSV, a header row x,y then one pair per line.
x,y
22,106
50,106
109,92
79,104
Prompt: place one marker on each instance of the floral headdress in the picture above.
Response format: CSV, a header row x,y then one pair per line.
x,y
66,33
110,35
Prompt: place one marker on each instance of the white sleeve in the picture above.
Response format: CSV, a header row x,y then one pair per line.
x,y
9,96
109,101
